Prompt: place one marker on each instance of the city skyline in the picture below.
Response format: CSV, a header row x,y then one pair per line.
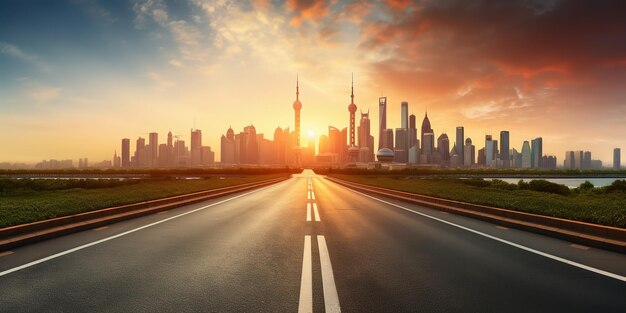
x,y
145,155
138,67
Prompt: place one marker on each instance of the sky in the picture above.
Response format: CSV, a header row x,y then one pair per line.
x,y
76,76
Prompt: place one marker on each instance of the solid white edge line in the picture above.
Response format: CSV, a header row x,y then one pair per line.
x,y
56,255
317,214
308,212
331,299
305,304
531,250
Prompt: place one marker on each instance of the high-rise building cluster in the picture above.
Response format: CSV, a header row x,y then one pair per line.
x,y
424,150
173,153
581,160
350,146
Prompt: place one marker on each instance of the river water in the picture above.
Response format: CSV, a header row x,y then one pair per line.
x,y
569,182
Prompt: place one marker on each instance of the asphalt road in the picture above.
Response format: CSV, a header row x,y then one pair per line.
x,y
309,244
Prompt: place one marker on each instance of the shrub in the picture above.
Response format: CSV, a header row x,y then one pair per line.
x,y
586,186
478,182
521,184
500,184
617,186
546,186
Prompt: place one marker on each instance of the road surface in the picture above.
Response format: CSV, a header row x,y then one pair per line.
x,y
307,244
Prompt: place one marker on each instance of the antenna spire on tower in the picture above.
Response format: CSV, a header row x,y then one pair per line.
x,y
297,87
352,92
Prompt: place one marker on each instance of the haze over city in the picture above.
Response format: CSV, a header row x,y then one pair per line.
x,y
79,75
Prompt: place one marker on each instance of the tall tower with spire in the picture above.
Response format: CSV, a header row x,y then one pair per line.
x,y
297,106
352,110
353,150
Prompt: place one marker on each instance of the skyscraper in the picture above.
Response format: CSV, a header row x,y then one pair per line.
x,y
387,139
537,152
526,155
587,160
412,131
170,149
401,154
617,158
227,147
443,145
153,141
426,129
196,147
468,153
252,145
504,149
125,152
140,152
279,146
460,141
404,115
382,120
489,151
428,145
569,162
365,140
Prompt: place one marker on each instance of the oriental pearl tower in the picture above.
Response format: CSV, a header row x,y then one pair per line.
x,y
297,106
353,150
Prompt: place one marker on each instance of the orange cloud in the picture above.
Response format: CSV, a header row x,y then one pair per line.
x,y
312,10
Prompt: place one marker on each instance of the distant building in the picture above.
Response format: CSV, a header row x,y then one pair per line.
x,y
414,154
401,153
412,131
489,151
443,146
469,151
596,164
617,158
227,146
140,153
125,152
548,162
578,159
504,149
382,121
153,152
586,160
526,155
196,147
460,141
569,162
455,160
481,157
428,148
366,140
536,151
387,139
426,129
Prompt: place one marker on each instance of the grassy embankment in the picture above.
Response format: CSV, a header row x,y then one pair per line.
x,y
606,205
26,200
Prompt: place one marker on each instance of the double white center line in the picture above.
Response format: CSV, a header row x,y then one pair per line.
x,y
315,212
331,299
311,205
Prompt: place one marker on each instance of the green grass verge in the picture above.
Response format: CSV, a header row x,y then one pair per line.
x,y
26,205
594,206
